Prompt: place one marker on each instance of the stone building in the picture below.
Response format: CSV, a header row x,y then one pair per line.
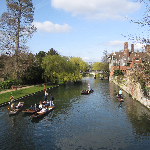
x,y
126,59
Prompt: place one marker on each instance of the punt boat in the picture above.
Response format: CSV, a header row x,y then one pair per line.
x,y
41,113
17,108
120,99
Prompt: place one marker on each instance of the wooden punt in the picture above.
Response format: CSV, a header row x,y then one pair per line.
x,y
31,111
41,114
17,109
86,93
120,99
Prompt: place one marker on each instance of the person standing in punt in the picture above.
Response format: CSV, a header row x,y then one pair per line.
x,y
89,88
120,93
45,96
51,100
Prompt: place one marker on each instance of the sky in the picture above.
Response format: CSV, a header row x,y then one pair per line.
x,y
84,28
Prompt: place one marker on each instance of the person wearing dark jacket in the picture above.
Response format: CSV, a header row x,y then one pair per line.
x,y
51,99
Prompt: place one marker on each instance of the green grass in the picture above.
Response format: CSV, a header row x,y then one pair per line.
x,y
5,97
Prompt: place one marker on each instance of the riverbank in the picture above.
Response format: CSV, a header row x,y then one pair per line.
x,y
132,88
22,92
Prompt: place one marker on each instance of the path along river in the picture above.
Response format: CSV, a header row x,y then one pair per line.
x,y
95,121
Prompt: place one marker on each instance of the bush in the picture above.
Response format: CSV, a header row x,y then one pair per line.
x,y
7,84
117,72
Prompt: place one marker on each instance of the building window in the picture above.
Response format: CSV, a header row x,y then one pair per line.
x,y
136,59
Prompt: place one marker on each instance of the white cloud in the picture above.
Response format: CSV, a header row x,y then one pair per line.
x,y
139,46
116,43
97,9
85,58
49,27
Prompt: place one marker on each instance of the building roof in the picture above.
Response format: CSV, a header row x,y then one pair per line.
x,y
118,55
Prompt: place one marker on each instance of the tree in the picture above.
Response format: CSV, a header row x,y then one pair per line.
x,y
3,59
25,60
143,22
117,72
33,75
97,66
105,61
104,58
40,56
16,28
59,68
105,67
52,52
54,66
79,64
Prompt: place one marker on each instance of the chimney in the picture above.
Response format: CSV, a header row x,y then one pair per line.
x,y
126,51
147,49
132,48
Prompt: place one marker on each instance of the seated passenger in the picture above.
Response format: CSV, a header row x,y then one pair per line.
x,y
40,106
43,109
31,108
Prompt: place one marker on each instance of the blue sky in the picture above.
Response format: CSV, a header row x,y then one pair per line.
x,y
84,28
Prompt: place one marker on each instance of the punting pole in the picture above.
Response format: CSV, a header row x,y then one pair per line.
x,y
10,99
44,92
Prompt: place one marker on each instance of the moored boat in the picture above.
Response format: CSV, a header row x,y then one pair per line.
x,y
17,108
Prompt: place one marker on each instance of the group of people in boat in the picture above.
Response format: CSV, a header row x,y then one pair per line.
x,y
13,107
18,106
43,105
87,91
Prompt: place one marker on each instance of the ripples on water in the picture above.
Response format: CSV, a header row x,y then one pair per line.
x,y
95,121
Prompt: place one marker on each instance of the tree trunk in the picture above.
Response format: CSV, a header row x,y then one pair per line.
x,y
17,42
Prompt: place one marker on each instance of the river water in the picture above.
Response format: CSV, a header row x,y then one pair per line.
x,y
95,121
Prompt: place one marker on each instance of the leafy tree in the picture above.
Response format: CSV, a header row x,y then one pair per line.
x,y
33,75
16,28
59,68
105,66
54,66
97,66
79,64
52,52
40,56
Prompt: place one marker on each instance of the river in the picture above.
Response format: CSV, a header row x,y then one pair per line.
x,y
95,121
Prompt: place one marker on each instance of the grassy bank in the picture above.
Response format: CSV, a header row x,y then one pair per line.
x,y
5,97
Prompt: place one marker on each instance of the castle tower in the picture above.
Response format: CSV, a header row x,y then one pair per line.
x,y
132,48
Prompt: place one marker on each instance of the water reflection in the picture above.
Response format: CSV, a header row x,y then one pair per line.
x,y
95,121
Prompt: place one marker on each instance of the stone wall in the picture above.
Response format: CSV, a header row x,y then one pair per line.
x,y
131,87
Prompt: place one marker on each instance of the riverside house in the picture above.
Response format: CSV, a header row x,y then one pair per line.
x,y
126,59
